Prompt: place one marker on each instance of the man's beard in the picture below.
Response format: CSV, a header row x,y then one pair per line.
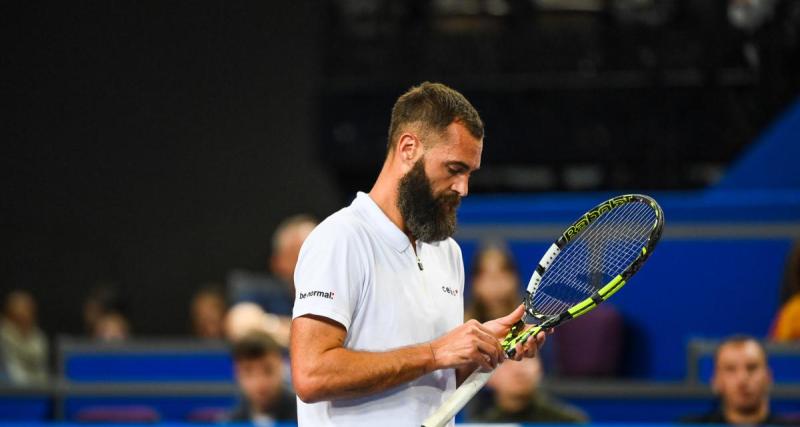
x,y
428,217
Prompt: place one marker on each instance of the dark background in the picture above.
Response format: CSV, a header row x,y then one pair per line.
x,y
156,145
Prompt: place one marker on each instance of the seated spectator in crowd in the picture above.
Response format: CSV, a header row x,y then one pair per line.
x,y
274,292
495,285
208,312
22,344
111,326
103,298
742,382
517,397
787,322
600,333
246,317
259,370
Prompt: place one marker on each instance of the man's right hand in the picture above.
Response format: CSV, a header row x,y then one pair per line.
x,y
469,344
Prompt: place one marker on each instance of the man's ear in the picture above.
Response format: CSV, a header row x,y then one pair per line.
x,y
408,149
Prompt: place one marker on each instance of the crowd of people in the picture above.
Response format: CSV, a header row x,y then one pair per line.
x,y
350,263
253,315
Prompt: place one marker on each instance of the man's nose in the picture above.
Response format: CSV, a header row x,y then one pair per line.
x,y
461,185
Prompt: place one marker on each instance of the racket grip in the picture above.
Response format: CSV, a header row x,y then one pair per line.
x,y
458,399
512,351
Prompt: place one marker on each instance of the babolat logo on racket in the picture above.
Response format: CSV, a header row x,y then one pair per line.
x,y
449,290
303,295
593,214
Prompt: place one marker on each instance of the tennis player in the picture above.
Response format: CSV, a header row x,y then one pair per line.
x,y
377,333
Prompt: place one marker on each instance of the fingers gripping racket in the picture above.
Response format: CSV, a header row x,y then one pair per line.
x,y
588,263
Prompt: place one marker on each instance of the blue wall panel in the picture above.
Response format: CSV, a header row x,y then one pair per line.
x,y
689,288
660,410
25,408
168,408
122,367
716,272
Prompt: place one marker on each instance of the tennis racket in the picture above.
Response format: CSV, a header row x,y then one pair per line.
x,y
590,261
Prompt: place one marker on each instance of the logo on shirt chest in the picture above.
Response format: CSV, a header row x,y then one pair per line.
x,y
449,290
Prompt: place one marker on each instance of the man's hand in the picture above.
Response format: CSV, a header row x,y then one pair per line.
x,y
499,329
468,345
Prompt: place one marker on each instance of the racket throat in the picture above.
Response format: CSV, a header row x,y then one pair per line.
x,y
531,316
544,321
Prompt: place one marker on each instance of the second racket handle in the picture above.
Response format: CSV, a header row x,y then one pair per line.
x,y
458,399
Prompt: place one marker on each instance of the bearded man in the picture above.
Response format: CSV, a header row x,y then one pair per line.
x,y
377,333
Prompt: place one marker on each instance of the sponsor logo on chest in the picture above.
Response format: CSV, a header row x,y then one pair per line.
x,y
450,291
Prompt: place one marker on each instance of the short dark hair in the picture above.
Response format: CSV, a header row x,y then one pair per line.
x,y
507,259
435,106
254,345
739,339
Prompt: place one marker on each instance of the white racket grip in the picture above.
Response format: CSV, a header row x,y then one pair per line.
x,y
458,399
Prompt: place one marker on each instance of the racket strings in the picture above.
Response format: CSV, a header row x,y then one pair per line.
x,y
607,246
602,251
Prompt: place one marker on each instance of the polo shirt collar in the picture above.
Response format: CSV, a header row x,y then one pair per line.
x,y
396,238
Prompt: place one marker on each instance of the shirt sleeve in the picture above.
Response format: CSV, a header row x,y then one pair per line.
x,y
330,273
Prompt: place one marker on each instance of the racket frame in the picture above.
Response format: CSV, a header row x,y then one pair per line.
x,y
478,379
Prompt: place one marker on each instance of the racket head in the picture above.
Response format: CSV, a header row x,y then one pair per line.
x,y
602,283
593,258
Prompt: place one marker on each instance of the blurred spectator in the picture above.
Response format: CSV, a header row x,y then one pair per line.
x,y
22,343
787,322
495,285
786,326
274,292
247,317
111,326
599,333
518,398
742,382
208,312
102,299
259,373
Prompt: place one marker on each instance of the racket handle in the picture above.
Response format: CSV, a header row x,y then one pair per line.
x,y
458,399
522,339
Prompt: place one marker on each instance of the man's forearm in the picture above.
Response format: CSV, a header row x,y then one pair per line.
x,y
323,369
340,373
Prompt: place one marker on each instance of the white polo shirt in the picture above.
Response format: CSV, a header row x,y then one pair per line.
x,y
359,269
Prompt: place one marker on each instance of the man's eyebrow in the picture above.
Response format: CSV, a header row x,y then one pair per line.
x,y
460,164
